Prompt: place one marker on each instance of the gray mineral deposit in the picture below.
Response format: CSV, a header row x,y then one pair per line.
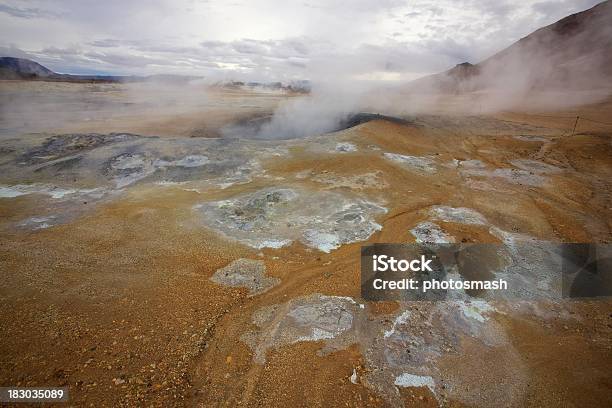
x,y
418,163
275,217
311,318
246,273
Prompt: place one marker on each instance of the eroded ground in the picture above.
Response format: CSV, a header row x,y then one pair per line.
x,y
142,269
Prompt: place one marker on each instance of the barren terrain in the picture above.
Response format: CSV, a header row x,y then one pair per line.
x,y
148,258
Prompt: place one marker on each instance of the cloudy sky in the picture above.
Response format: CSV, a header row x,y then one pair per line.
x,y
269,39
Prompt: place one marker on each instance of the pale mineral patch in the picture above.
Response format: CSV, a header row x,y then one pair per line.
x,y
428,232
247,273
11,191
242,174
535,166
411,380
323,241
195,160
472,164
409,354
453,164
40,222
354,379
531,138
420,163
513,176
129,168
310,318
457,214
476,309
345,147
532,269
321,220
304,174
54,192
399,320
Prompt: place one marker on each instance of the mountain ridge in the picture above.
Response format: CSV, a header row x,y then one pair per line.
x,y
565,53
26,69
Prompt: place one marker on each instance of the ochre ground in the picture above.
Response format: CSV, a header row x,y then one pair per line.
x,y
117,305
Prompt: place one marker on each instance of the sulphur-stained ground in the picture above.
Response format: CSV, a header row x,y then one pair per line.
x,y
186,268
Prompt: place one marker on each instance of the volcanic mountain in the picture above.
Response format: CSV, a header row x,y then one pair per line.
x,y
25,69
21,68
575,53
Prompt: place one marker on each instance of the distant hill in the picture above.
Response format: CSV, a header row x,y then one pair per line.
x,y
574,52
25,69
20,68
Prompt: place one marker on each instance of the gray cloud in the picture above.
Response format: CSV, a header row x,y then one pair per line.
x,y
12,51
271,39
106,43
27,12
